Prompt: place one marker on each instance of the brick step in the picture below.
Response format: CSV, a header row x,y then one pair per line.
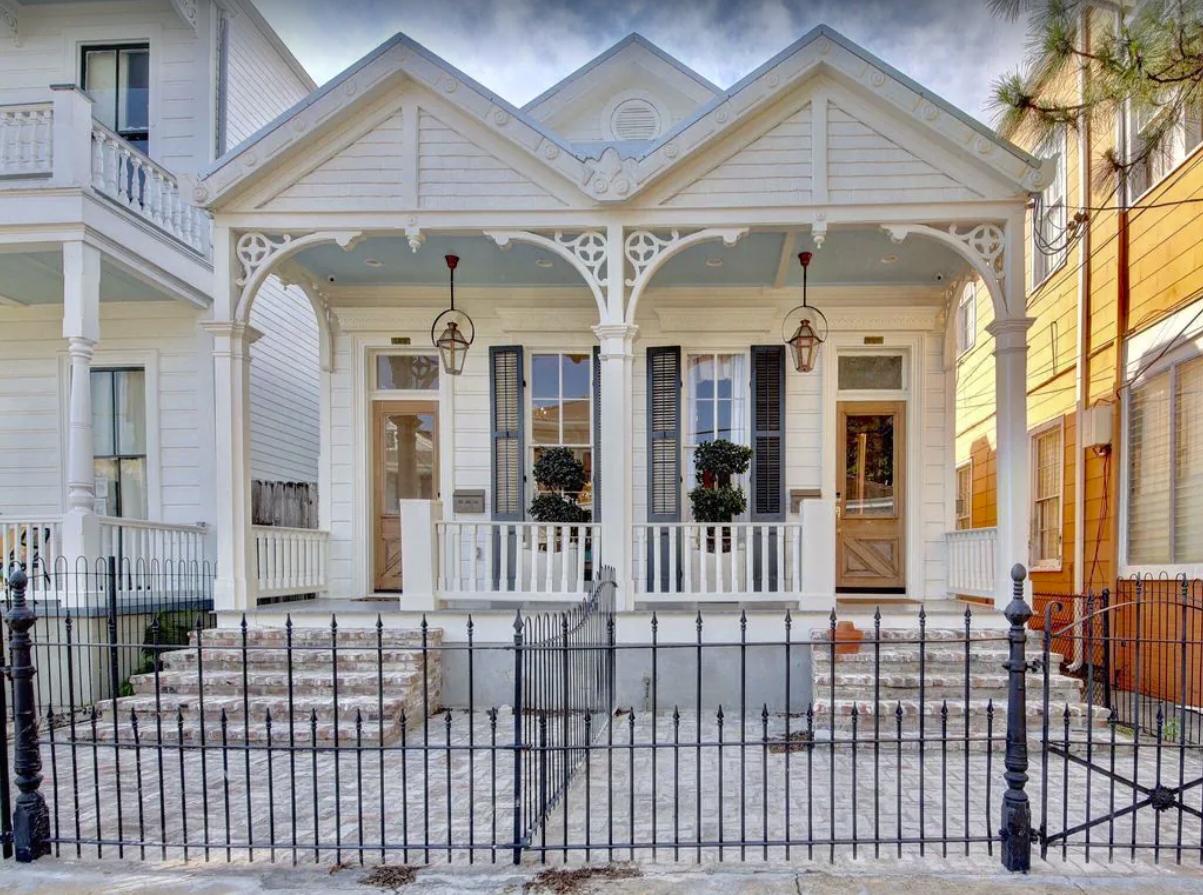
x,y
273,682
939,684
350,659
908,656
895,635
278,637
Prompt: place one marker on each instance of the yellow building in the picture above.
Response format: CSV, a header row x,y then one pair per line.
x,y
1115,375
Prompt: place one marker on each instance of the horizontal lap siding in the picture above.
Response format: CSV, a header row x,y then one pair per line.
x,y
455,173
367,174
775,169
285,361
48,54
32,415
864,166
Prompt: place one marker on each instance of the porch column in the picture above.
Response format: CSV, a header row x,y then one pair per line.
x,y
234,588
81,329
1014,498
617,363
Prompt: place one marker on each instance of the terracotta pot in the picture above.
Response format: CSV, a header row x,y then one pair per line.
x,y
848,638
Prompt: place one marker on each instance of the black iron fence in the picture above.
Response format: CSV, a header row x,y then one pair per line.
x,y
680,736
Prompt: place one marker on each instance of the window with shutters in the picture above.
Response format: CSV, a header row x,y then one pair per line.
x,y
965,495
561,410
507,452
1048,226
664,434
1165,467
1048,464
717,385
767,501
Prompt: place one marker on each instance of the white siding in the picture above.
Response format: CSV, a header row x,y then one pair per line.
x,y
453,173
773,170
284,386
49,53
34,385
284,367
366,176
864,166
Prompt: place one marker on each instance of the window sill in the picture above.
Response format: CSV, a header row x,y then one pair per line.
x,y
1045,565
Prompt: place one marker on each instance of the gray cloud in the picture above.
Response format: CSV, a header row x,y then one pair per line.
x,y
519,48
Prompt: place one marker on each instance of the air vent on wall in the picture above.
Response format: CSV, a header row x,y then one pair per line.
x,y
635,119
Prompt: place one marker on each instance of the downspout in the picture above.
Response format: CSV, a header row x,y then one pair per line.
x,y
1081,374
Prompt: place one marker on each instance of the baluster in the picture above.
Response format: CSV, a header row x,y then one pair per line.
x,y
754,536
703,534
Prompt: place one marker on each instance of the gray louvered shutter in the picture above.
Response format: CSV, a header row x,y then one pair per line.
x,y
597,433
664,434
505,367
768,433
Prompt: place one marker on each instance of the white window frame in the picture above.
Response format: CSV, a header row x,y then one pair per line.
x,y
391,394
1157,167
529,412
1172,566
967,319
966,516
741,392
1046,564
1049,218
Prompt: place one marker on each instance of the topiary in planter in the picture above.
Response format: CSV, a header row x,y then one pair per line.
x,y
715,500
562,478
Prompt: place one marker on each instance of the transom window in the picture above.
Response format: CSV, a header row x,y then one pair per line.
x,y
117,78
119,441
407,372
1048,463
717,386
562,409
1165,467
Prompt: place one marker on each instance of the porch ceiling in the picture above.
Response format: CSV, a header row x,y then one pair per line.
x,y
36,278
848,257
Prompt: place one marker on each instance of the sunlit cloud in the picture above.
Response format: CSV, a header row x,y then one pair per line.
x,y
519,48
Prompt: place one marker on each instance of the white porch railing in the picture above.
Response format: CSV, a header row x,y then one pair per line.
x,y
741,561
27,140
971,565
32,544
290,561
142,545
529,560
147,189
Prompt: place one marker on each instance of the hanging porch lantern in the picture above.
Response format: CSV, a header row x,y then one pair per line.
x,y
811,331
452,343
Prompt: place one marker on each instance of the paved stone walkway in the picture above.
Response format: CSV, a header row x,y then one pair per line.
x,y
640,802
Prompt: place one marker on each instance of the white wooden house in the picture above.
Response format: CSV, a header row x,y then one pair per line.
x,y
107,112
627,248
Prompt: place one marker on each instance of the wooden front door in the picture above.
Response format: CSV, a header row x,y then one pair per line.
x,y
870,505
406,465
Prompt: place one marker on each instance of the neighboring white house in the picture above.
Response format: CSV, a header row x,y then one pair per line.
x,y
107,112
627,248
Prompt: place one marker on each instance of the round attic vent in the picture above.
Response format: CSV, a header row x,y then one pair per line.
x,y
635,119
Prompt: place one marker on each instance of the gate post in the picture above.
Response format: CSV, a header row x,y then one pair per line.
x,y
1016,832
31,820
518,709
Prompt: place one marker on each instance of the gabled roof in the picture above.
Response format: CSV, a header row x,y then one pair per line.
x,y
600,172
633,38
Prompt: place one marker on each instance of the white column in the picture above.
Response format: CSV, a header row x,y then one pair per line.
x,y
1014,488
617,362
234,588
81,329
420,554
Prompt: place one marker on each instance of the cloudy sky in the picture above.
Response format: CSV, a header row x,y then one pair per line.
x,y
519,48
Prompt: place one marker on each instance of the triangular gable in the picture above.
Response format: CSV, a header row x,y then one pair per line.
x,y
455,173
601,174
775,169
864,166
367,175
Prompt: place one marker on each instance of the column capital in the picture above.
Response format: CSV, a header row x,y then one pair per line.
x,y
1010,333
236,332
615,330
81,347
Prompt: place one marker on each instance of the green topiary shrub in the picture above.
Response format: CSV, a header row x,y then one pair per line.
x,y
715,500
561,477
